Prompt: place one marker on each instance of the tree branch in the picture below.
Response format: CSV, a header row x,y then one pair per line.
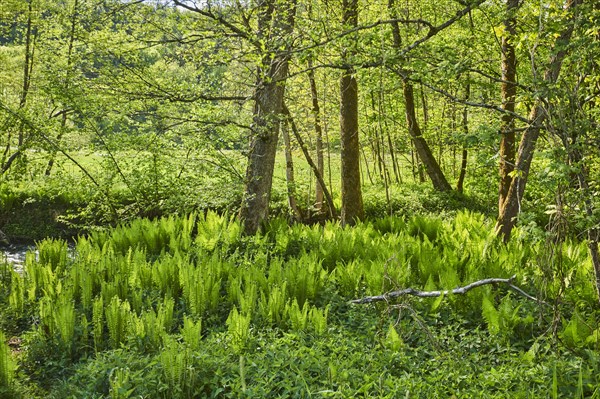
x,y
470,103
434,294
311,163
206,12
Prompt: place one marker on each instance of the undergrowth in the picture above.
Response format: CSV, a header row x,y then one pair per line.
x,y
186,307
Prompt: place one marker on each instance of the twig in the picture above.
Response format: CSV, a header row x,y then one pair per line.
x,y
434,294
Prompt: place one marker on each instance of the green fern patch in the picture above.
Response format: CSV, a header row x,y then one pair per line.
x,y
206,311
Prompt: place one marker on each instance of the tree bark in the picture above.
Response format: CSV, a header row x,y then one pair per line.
x,y
63,121
311,163
316,110
464,156
27,70
424,152
508,92
512,204
289,171
576,160
352,202
431,165
269,94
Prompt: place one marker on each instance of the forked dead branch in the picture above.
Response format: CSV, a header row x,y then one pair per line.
x,y
434,294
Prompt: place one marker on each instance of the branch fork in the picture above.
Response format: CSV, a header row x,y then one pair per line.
x,y
456,291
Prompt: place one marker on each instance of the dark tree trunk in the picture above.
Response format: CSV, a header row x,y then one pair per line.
x,y
352,203
424,152
465,154
511,206
431,166
508,92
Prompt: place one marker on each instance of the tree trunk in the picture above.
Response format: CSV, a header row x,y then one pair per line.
x,y
267,114
63,121
508,92
431,166
352,203
316,110
576,159
464,157
289,171
27,70
311,163
511,206
389,141
424,152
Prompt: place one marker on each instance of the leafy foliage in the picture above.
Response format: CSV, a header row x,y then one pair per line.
x,y
151,309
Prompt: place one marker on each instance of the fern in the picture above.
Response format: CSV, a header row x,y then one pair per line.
x,y
64,320
16,298
306,278
298,317
318,320
52,253
348,277
98,323
191,332
577,331
272,307
7,364
153,330
178,368
165,275
117,316
393,341
165,314
86,289
46,311
491,316
120,384
85,332
238,326
136,332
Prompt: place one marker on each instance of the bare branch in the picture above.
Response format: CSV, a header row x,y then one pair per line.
x,y
163,93
206,12
470,103
434,294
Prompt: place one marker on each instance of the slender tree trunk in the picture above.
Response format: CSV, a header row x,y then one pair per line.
x,y
267,114
424,152
27,66
377,143
512,204
352,202
63,121
465,154
576,160
431,166
367,165
508,92
389,138
316,110
311,163
289,171
27,71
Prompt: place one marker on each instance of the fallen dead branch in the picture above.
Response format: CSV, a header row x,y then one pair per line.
x,y
434,294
